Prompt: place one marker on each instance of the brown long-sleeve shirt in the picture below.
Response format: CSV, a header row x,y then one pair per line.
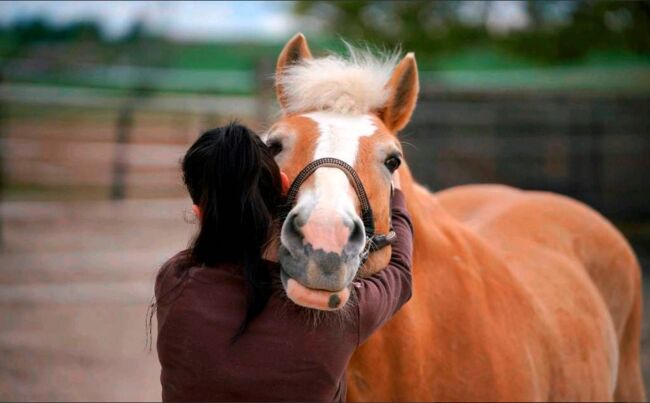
x,y
282,356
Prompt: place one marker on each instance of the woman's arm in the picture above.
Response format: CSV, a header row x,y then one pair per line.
x,y
381,295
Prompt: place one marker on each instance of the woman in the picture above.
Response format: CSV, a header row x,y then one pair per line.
x,y
225,330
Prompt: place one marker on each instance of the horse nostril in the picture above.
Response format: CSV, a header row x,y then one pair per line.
x,y
357,236
297,223
294,226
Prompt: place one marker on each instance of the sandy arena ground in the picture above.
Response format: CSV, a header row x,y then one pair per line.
x,y
75,282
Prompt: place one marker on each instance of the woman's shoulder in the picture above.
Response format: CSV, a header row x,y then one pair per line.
x,y
182,258
172,271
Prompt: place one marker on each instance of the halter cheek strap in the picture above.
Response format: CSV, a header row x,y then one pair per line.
x,y
374,241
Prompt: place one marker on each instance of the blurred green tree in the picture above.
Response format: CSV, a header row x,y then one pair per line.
x,y
38,30
548,31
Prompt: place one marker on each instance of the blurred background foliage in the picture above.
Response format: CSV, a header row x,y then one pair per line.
x,y
446,36
550,32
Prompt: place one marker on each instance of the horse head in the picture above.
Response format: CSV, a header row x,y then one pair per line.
x,y
345,110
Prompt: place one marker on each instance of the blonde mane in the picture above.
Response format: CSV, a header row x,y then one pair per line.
x,y
352,85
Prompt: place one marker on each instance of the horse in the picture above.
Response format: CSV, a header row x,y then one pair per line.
x,y
517,295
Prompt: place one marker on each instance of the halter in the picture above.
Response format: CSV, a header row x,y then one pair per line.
x,y
374,241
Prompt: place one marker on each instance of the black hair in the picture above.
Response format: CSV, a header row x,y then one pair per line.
x,y
232,176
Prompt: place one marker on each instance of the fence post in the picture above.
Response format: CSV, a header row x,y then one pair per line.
x,y
123,128
3,149
502,128
596,157
264,84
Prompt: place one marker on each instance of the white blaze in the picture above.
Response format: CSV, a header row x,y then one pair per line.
x,y
339,138
340,134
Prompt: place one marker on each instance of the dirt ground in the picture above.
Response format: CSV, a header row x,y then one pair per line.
x,y
75,282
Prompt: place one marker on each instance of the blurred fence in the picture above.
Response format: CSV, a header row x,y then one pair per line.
x,y
591,146
67,142
119,130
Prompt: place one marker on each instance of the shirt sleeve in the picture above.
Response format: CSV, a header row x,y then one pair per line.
x,y
381,295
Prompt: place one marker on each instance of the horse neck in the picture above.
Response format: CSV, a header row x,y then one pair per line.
x,y
424,207
435,229
441,242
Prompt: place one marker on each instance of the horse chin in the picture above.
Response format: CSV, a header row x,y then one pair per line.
x,y
306,295
314,298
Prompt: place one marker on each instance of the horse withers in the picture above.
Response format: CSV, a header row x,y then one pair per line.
x,y
517,296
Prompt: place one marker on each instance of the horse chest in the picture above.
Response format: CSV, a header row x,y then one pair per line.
x,y
466,338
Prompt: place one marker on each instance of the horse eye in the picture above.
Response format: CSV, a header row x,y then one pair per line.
x,y
392,163
275,146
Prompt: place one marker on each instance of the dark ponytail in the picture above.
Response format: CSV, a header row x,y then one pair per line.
x,y
233,178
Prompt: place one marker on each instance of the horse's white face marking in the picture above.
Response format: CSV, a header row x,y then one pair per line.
x,y
339,138
340,134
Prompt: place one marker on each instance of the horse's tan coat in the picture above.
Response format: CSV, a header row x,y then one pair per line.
x,y
518,296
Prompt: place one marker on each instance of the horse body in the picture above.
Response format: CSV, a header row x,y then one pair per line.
x,y
518,296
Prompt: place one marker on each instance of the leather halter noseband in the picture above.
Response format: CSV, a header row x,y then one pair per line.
x,y
374,241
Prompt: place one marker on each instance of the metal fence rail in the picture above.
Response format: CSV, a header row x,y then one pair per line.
x,y
594,147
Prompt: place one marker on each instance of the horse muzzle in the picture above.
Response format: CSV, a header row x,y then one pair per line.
x,y
323,245
319,260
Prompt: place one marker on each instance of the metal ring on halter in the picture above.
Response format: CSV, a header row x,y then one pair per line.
x,y
374,242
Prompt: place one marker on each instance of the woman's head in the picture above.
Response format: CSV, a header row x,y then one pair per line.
x,y
236,187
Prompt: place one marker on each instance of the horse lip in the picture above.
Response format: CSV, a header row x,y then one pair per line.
x,y
297,262
284,278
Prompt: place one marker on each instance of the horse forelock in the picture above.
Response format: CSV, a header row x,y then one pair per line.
x,y
352,85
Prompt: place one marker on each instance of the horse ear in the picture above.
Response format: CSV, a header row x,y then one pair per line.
x,y
293,52
404,87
